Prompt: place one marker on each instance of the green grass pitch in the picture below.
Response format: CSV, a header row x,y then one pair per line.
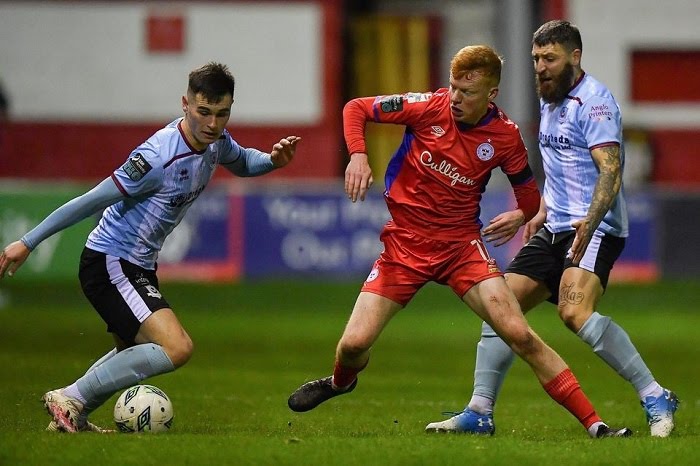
x,y
256,342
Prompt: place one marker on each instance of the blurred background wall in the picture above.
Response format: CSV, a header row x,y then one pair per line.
x,y
84,82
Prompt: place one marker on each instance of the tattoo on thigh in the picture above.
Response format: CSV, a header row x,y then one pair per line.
x,y
569,295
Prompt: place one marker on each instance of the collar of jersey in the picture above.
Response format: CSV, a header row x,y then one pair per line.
x,y
184,138
490,114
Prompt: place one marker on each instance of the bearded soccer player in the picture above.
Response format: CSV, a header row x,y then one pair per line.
x,y
574,240
454,138
143,201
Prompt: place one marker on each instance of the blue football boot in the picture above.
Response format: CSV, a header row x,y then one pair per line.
x,y
659,411
466,422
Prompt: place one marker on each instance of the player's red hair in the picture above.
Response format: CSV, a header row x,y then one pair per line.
x,y
480,59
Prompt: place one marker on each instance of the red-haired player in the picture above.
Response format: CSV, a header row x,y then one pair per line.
x,y
454,138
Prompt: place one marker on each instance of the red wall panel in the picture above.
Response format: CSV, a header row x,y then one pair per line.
x,y
665,76
676,157
91,151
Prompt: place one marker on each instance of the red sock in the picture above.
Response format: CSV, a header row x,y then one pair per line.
x,y
565,390
344,376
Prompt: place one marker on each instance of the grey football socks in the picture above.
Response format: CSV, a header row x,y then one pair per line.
x,y
72,389
122,370
104,358
612,344
607,339
493,359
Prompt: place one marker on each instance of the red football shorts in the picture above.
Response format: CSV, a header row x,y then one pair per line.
x,y
409,261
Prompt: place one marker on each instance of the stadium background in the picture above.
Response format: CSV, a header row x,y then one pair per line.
x,y
88,81
275,262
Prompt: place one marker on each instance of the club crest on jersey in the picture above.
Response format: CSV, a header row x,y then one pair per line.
x,y
562,114
136,167
485,151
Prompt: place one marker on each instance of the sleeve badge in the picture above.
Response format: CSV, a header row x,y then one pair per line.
x,y
136,167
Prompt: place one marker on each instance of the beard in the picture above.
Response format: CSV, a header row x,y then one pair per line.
x,y
555,90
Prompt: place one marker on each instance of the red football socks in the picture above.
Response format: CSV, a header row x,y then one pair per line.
x,y
565,390
344,376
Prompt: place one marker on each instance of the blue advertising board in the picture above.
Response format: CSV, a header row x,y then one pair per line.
x,y
316,235
321,234
207,244
309,231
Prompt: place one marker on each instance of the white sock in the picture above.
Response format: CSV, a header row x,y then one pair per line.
x,y
593,429
653,389
481,405
73,392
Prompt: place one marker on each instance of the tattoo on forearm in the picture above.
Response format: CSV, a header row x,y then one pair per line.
x,y
567,294
607,186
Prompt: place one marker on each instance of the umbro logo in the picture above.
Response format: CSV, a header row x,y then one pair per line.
x,y
437,131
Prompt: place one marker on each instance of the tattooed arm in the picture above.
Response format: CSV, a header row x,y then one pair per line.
x,y
607,158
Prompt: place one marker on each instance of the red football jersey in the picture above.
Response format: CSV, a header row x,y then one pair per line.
x,y
435,179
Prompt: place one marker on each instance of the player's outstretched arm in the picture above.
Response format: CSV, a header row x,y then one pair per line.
x,y
12,258
104,194
358,177
283,151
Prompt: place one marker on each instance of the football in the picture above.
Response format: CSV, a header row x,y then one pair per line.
x,y
143,408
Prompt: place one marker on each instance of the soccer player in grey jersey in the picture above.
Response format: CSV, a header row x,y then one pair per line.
x,y
574,240
143,201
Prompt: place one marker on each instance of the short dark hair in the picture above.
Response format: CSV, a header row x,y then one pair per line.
x,y
212,80
558,31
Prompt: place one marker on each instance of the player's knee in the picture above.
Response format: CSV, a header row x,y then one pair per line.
x,y
180,351
573,316
352,346
510,325
522,342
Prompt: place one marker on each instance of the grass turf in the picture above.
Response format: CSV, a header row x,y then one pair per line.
x,y
255,343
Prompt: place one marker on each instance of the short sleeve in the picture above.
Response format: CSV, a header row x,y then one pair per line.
x,y
140,174
600,121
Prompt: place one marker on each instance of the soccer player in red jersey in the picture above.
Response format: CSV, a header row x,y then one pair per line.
x,y
454,138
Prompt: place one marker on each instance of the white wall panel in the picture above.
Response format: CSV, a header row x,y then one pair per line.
x,y
88,60
612,29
